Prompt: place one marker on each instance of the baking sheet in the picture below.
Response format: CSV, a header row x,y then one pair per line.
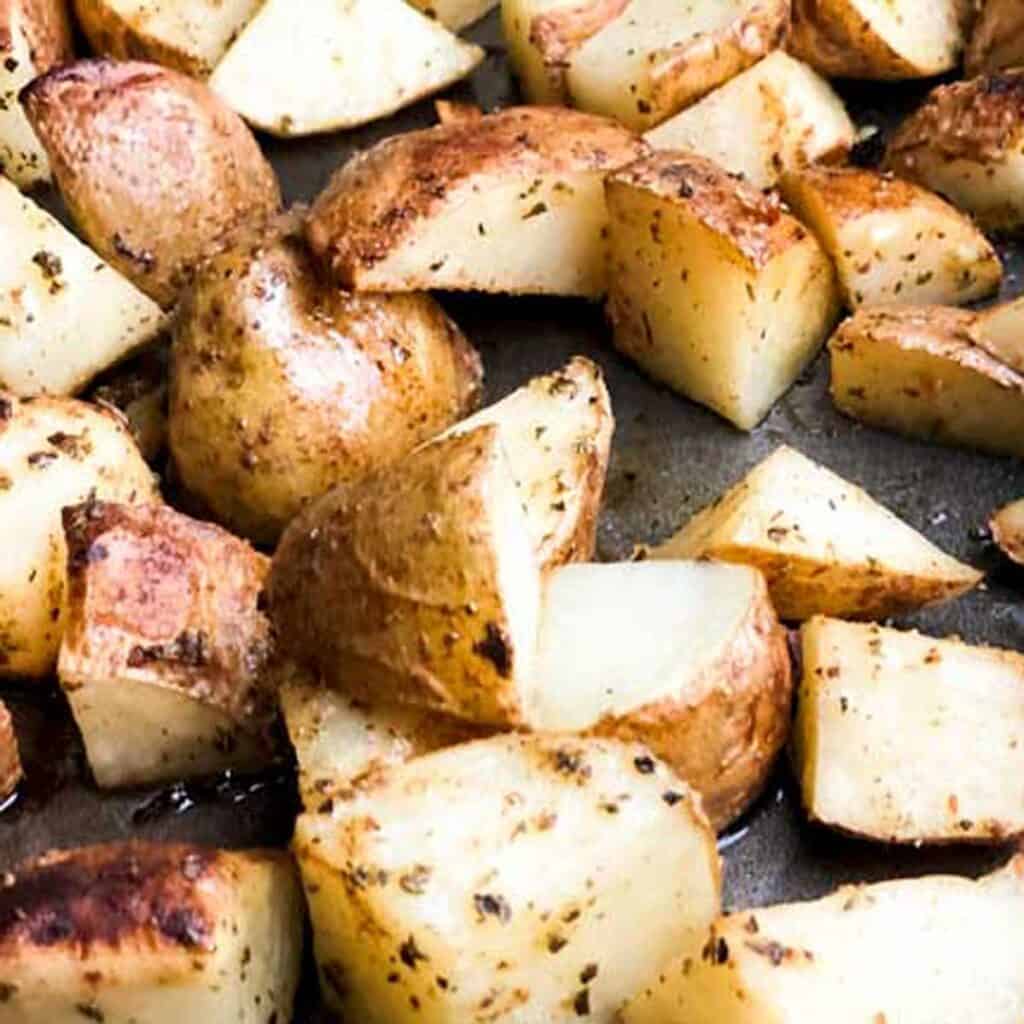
x,y
670,458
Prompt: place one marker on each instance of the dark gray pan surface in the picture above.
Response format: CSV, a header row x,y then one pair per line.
x,y
670,458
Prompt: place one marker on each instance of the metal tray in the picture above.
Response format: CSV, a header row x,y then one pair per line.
x,y
670,458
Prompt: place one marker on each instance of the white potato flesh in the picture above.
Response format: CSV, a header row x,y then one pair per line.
x,y
455,14
880,712
791,115
713,290
556,432
51,285
525,25
164,934
932,950
342,64
190,35
1008,530
891,241
1001,332
824,545
53,452
565,873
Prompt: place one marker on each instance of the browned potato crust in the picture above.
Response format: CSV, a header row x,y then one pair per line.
x,y
155,200
998,38
10,759
283,386
47,27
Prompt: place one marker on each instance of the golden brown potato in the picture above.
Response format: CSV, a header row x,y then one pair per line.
x,y
53,452
887,39
10,758
997,41
164,651
513,202
188,35
891,241
283,386
418,585
824,545
966,142
132,932
918,371
35,35
999,330
1008,530
155,169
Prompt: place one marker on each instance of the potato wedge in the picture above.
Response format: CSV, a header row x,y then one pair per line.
x,y
879,713
557,435
343,63
138,389
918,371
419,585
917,951
697,670
35,35
187,35
1007,527
967,143
343,743
1000,332
146,932
10,756
824,545
50,285
997,41
891,241
151,208
501,204
456,14
164,651
714,289
639,61
551,894
53,452
878,39
283,386
792,118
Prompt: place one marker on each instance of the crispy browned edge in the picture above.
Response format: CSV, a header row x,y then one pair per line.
x,y
10,758
756,222
376,200
220,659
141,895
724,734
46,27
980,121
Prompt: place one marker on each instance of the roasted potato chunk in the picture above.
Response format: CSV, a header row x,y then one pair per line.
x,y
338,66
341,742
10,756
697,670
164,651
283,386
639,61
918,371
455,14
35,35
50,285
999,331
498,913
967,143
824,545
419,585
135,932
557,436
152,208
879,713
791,115
886,39
53,452
714,289
499,204
1008,530
997,41
917,951
891,241
188,35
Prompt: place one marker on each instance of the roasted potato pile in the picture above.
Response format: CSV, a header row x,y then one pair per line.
x,y
513,752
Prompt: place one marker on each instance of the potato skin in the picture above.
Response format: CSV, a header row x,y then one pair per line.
x,y
152,207
725,736
283,386
997,41
10,758
46,26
